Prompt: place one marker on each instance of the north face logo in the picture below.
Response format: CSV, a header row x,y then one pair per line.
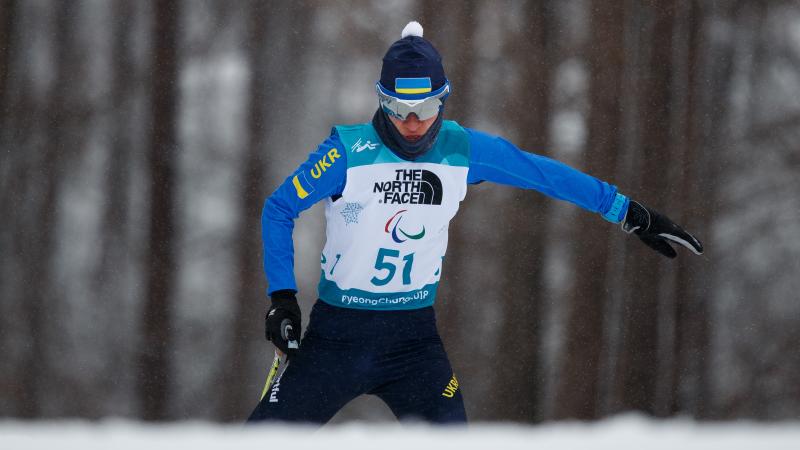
x,y
411,186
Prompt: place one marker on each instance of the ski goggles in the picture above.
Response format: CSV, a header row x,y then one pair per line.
x,y
401,106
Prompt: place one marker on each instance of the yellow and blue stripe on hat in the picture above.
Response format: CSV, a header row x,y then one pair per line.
x,y
412,85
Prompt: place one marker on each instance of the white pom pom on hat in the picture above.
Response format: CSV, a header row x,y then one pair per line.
x,y
412,29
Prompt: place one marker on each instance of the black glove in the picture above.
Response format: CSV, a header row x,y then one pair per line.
x,y
657,230
282,324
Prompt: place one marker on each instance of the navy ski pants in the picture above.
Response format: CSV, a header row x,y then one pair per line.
x,y
395,355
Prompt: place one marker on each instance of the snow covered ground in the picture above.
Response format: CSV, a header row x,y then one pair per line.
x,y
623,432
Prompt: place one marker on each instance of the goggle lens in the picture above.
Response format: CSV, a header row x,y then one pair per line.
x,y
401,108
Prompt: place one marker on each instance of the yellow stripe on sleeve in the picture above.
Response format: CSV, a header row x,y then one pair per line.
x,y
300,191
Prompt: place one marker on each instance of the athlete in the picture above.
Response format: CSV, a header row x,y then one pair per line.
x,y
391,187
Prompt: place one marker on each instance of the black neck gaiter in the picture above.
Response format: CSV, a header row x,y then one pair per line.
x,y
397,143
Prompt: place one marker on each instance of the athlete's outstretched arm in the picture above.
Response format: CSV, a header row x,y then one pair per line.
x,y
493,158
320,177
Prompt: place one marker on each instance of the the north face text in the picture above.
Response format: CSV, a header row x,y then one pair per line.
x,y
411,186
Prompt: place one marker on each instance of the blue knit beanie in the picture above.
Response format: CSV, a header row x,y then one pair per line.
x,y
412,57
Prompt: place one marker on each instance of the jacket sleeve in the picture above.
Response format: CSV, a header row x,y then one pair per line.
x,y
493,158
321,176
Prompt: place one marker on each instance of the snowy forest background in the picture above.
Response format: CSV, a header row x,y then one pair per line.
x,y
139,140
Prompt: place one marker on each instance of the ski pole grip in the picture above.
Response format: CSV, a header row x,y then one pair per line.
x,y
287,333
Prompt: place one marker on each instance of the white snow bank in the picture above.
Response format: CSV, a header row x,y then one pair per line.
x,y
623,432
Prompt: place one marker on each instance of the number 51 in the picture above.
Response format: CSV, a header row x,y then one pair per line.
x,y
381,263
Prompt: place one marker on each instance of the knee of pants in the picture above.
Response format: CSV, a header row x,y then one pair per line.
x,y
431,396
303,392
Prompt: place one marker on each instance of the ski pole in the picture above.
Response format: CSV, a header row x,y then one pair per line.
x,y
273,370
288,334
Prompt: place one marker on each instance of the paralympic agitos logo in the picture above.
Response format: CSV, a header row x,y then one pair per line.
x,y
410,186
402,233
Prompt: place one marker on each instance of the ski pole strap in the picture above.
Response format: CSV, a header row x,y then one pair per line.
x,y
619,207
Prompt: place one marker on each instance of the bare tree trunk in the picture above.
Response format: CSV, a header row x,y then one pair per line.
x,y
453,36
37,297
518,397
266,24
110,271
706,112
638,364
8,45
457,49
154,356
577,391
684,105
250,299
7,13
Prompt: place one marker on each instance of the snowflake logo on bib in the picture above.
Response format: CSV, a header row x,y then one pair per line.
x,y
351,212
